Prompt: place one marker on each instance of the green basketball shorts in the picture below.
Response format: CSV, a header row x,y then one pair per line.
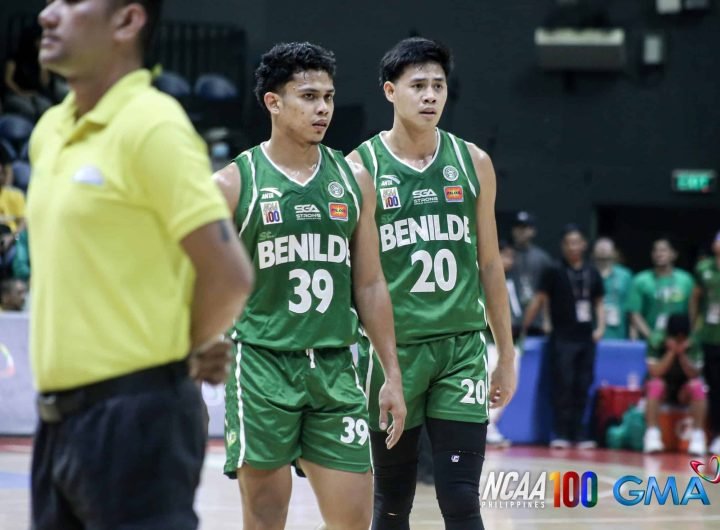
x,y
445,379
284,405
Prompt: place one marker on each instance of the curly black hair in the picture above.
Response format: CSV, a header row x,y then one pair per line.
x,y
284,60
412,51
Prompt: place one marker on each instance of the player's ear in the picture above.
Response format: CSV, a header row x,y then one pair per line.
x,y
389,90
272,102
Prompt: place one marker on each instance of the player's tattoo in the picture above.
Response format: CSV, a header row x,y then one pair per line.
x,y
224,231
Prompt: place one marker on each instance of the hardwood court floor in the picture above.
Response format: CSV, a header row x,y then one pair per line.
x,y
219,506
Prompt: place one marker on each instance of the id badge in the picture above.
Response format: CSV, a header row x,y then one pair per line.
x,y
582,311
612,315
713,314
661,322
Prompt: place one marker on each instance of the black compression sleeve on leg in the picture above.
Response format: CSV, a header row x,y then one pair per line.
x,y
395,472
458,456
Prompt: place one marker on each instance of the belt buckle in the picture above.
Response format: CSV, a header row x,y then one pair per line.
x,y
48,409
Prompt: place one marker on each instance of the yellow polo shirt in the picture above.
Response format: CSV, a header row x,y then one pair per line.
x,y
111,197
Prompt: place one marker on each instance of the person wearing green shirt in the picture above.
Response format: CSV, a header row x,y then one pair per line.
x,y
674,365
616,280
705,304
659,292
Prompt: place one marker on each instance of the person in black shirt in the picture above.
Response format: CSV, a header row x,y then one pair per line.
x,y
574,289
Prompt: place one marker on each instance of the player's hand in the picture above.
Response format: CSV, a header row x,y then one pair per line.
x,y
503,382
211,363
391,400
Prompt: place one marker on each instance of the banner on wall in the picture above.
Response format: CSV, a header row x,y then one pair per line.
x,y
17,395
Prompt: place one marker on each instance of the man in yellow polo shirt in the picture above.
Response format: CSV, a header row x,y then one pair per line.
x,y
134,266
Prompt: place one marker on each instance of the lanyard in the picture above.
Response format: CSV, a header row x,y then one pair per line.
x,y
584,292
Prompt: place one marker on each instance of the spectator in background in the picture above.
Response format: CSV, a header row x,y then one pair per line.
x,y
657,293
12,295
21,260
574,290
674,365
507,253
529,263
616,280
705,305
12,205
28,86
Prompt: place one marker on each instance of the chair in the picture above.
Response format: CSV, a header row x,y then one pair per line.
x,y
15,129
173,84
9,149
21,173
25,152
215,87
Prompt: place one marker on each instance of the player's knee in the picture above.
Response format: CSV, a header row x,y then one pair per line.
x,y
697,389
394,493
352,518
457,481
655,388
264,508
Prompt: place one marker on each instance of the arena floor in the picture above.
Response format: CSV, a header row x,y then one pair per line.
x,y
219,506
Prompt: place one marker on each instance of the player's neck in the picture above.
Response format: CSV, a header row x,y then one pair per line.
x,y
575,263
90,89
663,270
411,142
298,159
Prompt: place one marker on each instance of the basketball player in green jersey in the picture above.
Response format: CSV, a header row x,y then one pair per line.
x,y
307,219
439,251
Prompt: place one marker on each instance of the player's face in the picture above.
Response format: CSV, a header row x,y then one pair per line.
x,y
604,253
573,246
662,254
77,35
305,105
419,94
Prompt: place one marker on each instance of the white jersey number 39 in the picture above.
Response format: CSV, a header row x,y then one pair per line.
x,y
321,285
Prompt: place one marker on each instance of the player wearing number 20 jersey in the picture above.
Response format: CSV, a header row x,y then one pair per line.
x,y
435,215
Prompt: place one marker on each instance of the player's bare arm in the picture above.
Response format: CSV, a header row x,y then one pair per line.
x,y
492,276
229,182
599,318
372,300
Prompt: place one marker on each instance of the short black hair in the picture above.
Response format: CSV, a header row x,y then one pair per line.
x,y
286,59
664,239
152,9
571,228
411,51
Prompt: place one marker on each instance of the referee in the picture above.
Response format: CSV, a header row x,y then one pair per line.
x,y
134,266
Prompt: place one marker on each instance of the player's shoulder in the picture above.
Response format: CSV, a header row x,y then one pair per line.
x,y
684,275
704,265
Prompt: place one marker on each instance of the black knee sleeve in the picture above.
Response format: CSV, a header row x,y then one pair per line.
x,y
395,474
458,456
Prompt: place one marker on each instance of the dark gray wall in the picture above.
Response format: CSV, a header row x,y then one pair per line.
x,y
561,145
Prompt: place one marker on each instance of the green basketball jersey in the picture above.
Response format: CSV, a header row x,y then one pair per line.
x,y
298,237
428,239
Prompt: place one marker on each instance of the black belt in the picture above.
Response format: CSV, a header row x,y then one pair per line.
x,y
56,406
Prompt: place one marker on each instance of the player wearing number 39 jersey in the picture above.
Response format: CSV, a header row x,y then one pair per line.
x,y
307,218
435,196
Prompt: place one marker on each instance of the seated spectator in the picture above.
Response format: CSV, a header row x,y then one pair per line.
x,y
674,362
28,87
705,305
616,280
12,295
12,204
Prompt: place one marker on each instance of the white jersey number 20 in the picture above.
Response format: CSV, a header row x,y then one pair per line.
x,y
444,260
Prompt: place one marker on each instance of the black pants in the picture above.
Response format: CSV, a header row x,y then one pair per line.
x,y
711,373
572,364
131,461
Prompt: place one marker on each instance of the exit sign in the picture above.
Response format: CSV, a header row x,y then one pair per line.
x,y
694,180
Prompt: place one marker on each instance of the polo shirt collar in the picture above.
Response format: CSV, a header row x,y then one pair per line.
x,y
110,103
